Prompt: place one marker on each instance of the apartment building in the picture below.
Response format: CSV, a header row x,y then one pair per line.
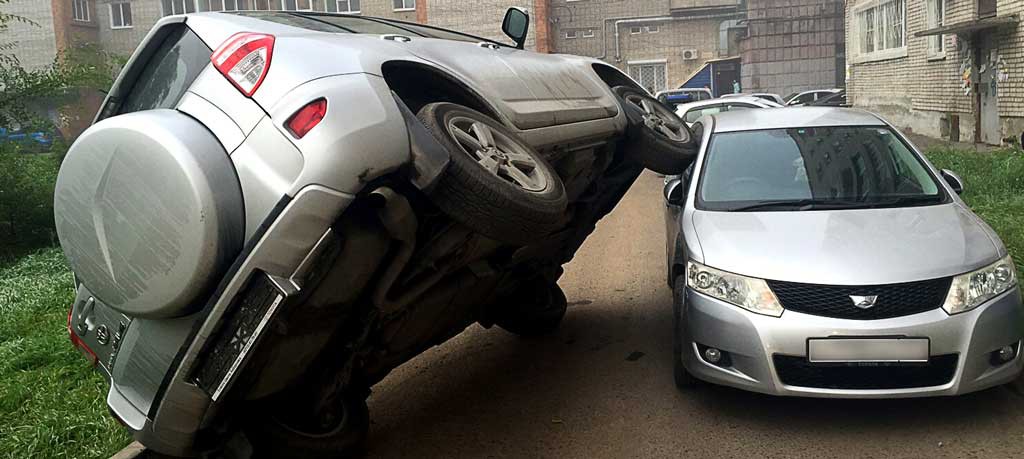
x,y
793,46
660,43
944,68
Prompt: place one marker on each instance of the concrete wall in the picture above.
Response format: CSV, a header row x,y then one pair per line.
x,y
792,45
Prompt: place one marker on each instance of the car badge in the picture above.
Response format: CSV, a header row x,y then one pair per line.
x,y
864,302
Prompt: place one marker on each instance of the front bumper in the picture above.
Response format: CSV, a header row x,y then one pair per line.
x,y
753,340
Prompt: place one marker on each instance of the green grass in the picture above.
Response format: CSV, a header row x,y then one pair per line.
x,y
52,403
994,188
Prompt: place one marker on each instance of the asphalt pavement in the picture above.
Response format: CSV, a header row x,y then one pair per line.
x,y
602,386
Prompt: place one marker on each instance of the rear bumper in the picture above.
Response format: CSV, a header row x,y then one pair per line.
x,y
753,341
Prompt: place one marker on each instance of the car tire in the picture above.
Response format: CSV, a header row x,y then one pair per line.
x,y
684,380
503,188
657,138
272,437
536,309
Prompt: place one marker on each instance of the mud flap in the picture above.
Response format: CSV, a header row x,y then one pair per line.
x,y
429,158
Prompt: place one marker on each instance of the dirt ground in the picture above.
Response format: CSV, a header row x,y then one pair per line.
x,y
602,386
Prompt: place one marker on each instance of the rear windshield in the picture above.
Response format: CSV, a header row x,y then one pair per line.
x,y
168,73
808,168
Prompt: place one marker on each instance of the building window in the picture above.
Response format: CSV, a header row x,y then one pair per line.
x,y
570,34
80,10
120,15
882,26
651,75
404,5
936,18
297,5
635,30
653,29
589,33
178,7
347,6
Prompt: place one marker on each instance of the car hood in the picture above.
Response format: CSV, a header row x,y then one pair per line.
x,y
846,247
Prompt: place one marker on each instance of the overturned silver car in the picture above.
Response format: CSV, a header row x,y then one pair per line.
x,y
274,210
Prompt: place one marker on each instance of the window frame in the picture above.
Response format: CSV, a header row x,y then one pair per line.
x,y
80,11
121,6
636,30
652,28
571,34
873,31
184,6
337,6
588,33
935,46
403,8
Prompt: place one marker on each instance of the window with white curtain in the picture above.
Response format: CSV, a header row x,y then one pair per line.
x,y
401,5
882,26
80,10
120,15
936,15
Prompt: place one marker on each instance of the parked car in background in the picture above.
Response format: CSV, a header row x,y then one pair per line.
x,y
35,141
691,112
273,210
835,100
760,95
807,97
815,252
675,97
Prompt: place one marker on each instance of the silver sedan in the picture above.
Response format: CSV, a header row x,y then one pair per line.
x,y
815,252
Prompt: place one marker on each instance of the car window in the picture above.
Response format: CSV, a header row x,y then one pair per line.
x,y
169,72
863,164
734,107
695,114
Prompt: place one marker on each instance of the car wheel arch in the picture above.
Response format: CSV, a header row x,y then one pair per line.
x,y
407,79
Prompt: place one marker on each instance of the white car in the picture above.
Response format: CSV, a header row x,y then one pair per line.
x,y
771,97
807,97
692,112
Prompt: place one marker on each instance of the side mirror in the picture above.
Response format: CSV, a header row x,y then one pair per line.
x,y
516,25
953,180
674,192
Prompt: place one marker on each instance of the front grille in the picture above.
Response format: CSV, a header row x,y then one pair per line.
x,y
894,300
798,371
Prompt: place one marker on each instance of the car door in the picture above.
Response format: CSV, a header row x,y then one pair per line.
x,y
534,90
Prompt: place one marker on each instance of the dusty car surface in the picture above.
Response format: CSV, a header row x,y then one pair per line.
x,y
274,210
814,252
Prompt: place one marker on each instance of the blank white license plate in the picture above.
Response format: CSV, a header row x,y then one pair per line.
x,y
836,350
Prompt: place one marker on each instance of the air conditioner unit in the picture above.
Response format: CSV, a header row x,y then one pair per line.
x,y
690,54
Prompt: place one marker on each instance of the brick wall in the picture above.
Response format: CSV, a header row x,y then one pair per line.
x,y
920,91
599,17
145,13
36,47
792,45
481,18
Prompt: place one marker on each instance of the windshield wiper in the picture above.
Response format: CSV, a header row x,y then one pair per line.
x,y
836,204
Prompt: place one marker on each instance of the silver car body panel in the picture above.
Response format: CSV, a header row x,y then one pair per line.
x,y
836,247
294,189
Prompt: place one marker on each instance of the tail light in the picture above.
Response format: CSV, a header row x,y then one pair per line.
x,y
244,59
78,343
307,118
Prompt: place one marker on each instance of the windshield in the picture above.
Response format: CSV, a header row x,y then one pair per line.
x,y
813,168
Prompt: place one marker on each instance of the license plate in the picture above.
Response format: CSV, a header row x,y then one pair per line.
x,y
838,350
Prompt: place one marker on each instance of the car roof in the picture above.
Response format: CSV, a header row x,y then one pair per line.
x,y
793,117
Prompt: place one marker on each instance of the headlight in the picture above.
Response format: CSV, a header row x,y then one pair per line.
x,y
973,289
746,292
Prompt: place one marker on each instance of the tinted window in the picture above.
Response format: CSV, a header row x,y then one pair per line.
x,y
830,166
169,72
